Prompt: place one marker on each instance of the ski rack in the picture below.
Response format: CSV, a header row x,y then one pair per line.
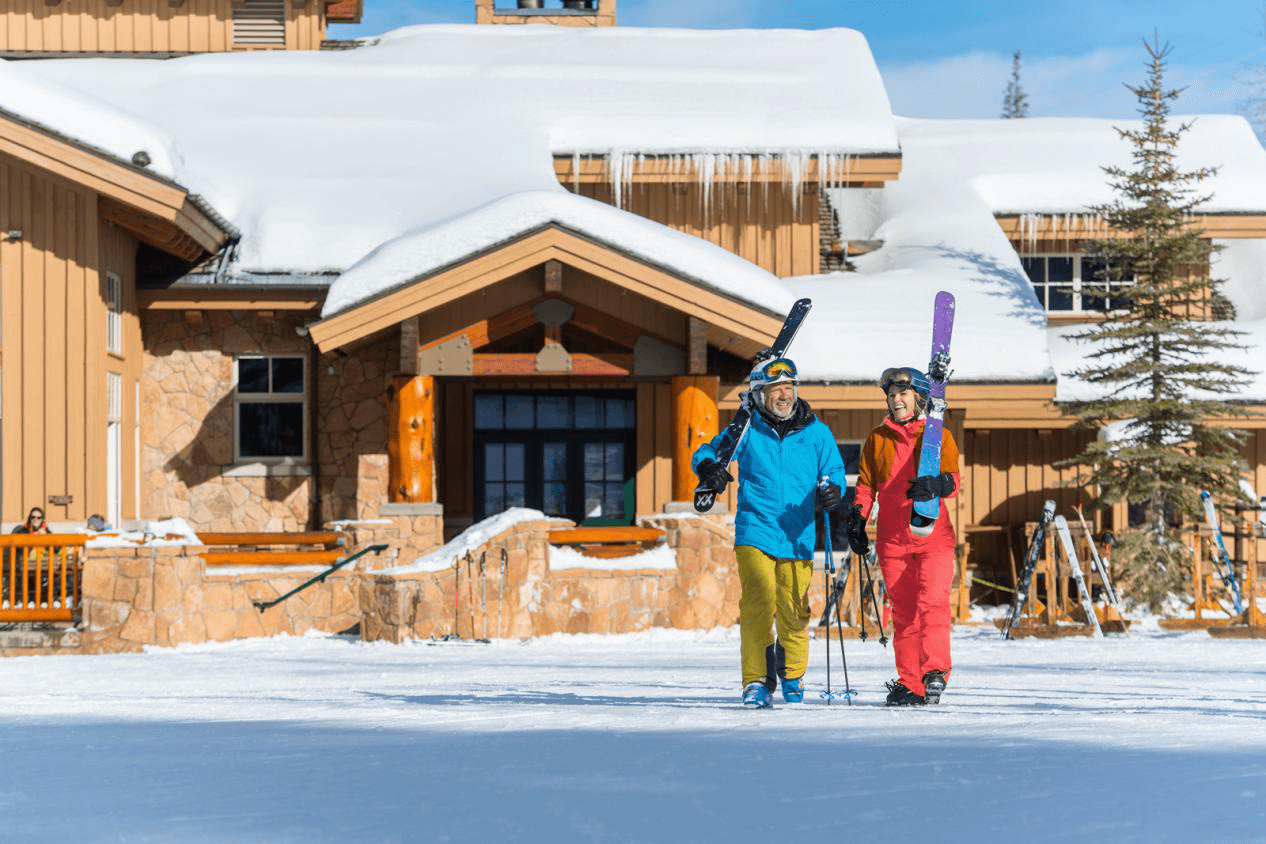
x,y
263,605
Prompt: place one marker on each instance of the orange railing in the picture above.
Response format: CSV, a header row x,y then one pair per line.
x,y
40,576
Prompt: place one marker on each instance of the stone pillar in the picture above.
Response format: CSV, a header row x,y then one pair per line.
x,y
694,422
411,439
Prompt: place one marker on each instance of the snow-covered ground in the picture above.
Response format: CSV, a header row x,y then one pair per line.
x,y
1156,738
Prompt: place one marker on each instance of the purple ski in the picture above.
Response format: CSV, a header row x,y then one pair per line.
x,y
923,516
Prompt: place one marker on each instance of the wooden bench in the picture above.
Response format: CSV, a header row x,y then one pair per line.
x,y
273,549
608,542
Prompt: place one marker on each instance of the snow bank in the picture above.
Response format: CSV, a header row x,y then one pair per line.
x,y
563,557
468,540
165,532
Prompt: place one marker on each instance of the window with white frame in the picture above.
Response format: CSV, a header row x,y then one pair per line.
x,y
114,314
1075,283
270,407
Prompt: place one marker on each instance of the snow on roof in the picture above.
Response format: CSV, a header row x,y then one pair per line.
x,y
416,253
84,118
1068,354
1055,165
937,234
319,157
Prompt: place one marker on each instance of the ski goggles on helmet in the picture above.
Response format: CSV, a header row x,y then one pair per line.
x,y
775,371
905,376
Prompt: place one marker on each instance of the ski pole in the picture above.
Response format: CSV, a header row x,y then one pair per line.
x,y
828,569
839,628
470,592
501,588
457,597
483,593
874,601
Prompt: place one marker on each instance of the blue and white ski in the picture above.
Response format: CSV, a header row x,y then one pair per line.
x,y
923,516
1222,558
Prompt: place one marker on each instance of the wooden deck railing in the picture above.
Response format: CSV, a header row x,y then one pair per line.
x,y
272,549
40,576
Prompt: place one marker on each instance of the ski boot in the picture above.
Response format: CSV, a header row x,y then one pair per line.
x,y
793,690
899,695
933,686
757,696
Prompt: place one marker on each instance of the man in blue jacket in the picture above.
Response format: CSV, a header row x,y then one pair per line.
x,y
784,454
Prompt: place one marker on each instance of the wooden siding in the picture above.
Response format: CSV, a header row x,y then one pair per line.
x,y
143,26
53,324
762,223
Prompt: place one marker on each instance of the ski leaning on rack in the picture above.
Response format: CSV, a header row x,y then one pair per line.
x,y
1222,558
705,496
1109,589
1070,553
837,589
923,516
1030,563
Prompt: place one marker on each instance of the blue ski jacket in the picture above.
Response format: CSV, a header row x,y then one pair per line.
x,y
778,477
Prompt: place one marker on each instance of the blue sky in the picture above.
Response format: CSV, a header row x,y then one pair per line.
x,y
953,59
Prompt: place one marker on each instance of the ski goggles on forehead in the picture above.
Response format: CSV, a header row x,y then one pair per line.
x,y
778,369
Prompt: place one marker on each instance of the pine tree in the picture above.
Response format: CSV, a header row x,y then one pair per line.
x,y
1153,354
1015,103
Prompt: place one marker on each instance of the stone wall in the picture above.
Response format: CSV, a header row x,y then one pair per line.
x,y
187,452
166,596
702,592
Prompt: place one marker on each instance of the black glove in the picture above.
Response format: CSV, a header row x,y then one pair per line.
x,y
855,530
713,475
829,495
927,487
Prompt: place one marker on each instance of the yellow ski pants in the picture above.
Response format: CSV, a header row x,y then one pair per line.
x,y
775,593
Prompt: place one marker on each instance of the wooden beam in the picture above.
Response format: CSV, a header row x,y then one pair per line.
x,y
697,348
237,298
866,169
553,276
409,346
411,439
494,328
695,421
525,364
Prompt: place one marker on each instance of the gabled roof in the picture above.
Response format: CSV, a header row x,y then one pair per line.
x,y
741,304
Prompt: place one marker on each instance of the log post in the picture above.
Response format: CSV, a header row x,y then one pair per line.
x,y
411,439
694,422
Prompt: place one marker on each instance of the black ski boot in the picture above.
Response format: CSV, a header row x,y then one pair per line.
x,y
899,695
933,686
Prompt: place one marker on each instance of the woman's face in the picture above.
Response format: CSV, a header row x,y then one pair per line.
x,y
36,518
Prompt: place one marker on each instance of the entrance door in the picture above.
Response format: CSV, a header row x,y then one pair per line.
x,y
568,454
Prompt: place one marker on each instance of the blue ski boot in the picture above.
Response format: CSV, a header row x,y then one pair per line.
x,y
757,696
793,690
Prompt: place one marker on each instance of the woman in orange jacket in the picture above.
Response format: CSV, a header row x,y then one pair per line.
x,y
918,571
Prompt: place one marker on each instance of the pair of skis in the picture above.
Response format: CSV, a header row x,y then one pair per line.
x,y
1070,553
1221,558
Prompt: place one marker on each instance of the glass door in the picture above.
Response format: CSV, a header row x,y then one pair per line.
x,y
567,454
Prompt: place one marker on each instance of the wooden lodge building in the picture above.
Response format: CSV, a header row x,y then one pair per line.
x,y
461,269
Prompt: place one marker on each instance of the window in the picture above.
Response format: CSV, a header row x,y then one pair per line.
x,y
114,314
1077,283
566,453
271,404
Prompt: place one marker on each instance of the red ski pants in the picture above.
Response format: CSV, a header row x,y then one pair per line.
x,y
918,583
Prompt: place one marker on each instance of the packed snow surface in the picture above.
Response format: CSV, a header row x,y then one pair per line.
x,y
1156,738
